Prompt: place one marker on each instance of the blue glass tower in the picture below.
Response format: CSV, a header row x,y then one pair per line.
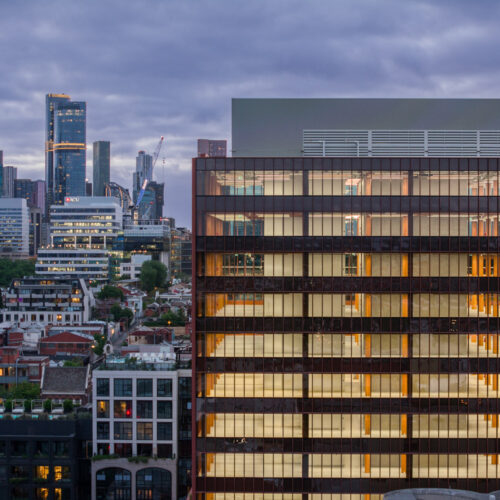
x,y
65,148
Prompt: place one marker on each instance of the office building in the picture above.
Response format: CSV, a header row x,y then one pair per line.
x,y
142,405
143,172
36,230
148,237
38,190
101,166
88,189
45,459
23,188
208,148
82,235
55,300
64,148
14,228
181,254
9,176
347,309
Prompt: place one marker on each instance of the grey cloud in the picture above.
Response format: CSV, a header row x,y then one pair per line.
x,y
154,68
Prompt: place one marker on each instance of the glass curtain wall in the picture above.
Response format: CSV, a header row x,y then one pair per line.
x,y
347,327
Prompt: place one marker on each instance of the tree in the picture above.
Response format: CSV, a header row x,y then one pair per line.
x,y
127,313
110,292
99,343
67,406
10,269
116,312
25,390
47,406
119,313
153,275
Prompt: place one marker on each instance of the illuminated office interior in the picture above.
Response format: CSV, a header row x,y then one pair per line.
x,y
346,327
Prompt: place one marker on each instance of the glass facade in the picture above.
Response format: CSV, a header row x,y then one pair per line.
x,y
64,148
346,326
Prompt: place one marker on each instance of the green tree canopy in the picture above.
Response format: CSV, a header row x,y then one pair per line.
x,y
153,274
118,313
10,269
110,292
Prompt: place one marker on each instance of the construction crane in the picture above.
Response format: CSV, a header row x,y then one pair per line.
x,y
145,183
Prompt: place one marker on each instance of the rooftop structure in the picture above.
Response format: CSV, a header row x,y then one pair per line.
x,y
366,127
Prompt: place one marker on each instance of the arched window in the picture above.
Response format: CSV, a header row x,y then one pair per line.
x,y
113,483
154,484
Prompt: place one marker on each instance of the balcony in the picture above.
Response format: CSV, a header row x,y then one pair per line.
x,y
49,304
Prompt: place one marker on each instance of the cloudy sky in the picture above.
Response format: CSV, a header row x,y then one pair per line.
x,y
170,67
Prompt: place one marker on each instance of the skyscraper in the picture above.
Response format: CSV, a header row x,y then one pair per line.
x,y
23,188
39,195
151,207
65,148
346,300
143,172
101,167
9,176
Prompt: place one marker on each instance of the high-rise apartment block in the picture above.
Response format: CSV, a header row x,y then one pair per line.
x,y
208,148
14,228
346,300
64,148
101,166
9,176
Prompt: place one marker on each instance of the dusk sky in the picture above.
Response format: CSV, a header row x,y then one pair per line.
x,y
151,68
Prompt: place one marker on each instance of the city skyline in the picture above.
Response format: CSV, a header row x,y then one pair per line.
x,y
171,69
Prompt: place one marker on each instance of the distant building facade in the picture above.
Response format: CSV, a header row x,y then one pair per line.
x,y
101,167
82,233
208,148
9,176
143,172
14,227
65,148
48,301
181,253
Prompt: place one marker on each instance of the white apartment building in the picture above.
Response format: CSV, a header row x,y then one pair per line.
x,y
14,227
56,300
82,232
133,268
137,403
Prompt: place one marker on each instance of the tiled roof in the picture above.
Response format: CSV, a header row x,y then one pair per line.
x,y
64,380
68,337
